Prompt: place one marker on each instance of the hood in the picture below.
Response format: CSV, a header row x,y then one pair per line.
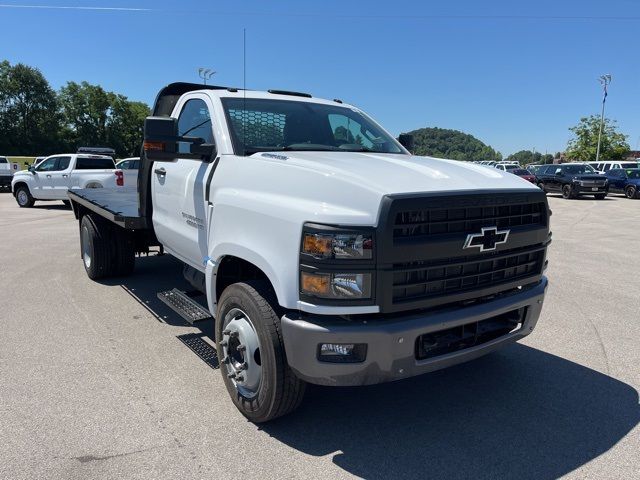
x,y
393,174
21,173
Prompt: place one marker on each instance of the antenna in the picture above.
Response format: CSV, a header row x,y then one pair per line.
x,y
244,90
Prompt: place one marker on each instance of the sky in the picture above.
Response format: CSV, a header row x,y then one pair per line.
x,y
516,75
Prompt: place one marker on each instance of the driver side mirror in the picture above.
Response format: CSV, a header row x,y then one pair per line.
x,y
32,169
161,142
406,140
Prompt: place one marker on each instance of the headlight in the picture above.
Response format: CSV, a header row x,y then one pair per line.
x,y
337,286
338,246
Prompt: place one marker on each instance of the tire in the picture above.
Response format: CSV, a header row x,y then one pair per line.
x,y
242,307
96,247
541,187
631,191
567,192
24,198
600,196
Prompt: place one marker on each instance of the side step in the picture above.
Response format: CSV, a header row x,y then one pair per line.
x,y
184,306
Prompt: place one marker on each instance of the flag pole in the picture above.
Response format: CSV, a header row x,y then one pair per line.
x,y
605,80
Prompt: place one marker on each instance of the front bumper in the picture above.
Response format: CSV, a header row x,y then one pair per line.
x,y
391,343
582,190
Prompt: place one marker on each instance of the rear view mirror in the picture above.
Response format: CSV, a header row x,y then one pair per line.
x,y
406,140
161,140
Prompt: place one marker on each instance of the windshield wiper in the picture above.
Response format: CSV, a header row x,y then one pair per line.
x,y
309,147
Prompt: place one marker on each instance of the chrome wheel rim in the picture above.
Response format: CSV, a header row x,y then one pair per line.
x,y
241,353
86,252
22,197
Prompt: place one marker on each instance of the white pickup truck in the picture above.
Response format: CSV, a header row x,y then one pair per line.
x,y
327,252
6,172
52,177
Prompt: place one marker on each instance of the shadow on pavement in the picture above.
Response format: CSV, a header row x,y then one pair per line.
x,y
518,413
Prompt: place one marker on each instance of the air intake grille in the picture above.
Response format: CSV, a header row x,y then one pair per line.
x,y
424,280
464,220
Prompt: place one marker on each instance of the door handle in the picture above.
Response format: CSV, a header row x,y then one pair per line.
x,y
64,175
48,176
160,171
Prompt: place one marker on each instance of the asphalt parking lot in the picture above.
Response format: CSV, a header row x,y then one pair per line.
x,y
100,380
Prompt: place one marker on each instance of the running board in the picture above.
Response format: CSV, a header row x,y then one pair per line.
x,y
184,306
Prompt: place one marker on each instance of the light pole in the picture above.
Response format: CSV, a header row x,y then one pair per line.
x,y
604,80
205,74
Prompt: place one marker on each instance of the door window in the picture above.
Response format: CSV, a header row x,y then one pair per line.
x,y
606,167
194,121
49,165
63,163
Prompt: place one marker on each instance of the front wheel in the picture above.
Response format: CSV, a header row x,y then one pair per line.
x,y
631,191
253,361
567,192
541,187
24,198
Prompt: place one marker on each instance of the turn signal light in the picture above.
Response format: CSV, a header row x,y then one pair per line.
x,y
158,146
315,284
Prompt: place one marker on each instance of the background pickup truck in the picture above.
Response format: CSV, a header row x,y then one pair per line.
x,y
328,253
51,179
6,172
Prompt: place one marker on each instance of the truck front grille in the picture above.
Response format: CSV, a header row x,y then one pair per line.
x,y
424,260
423,280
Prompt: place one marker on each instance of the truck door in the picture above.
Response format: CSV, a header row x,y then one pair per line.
x,y
58,179
178,188
42,185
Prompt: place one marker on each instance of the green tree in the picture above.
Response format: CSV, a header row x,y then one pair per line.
x,y
525,157
444,143
584,145
125,125
29,117
86,109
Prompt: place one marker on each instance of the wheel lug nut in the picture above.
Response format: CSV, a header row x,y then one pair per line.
x,y
241,348
240,378
233,334
231,375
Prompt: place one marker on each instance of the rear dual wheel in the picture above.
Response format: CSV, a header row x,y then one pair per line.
x,y
106,250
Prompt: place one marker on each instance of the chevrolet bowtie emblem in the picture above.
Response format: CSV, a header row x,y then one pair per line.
x,y
488,239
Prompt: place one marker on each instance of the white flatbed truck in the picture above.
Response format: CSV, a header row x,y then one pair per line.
x,y
327,252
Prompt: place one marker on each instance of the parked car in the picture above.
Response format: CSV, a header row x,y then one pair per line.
x,y
534,169
51,179
604,167
625,181
129,167
507,167
323,260
523,173
6,172
573,180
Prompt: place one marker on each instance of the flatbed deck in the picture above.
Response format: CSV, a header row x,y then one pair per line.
x,y
119,205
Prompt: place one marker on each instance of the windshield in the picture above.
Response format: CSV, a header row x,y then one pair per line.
x,y
633,173
577,169
263,125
